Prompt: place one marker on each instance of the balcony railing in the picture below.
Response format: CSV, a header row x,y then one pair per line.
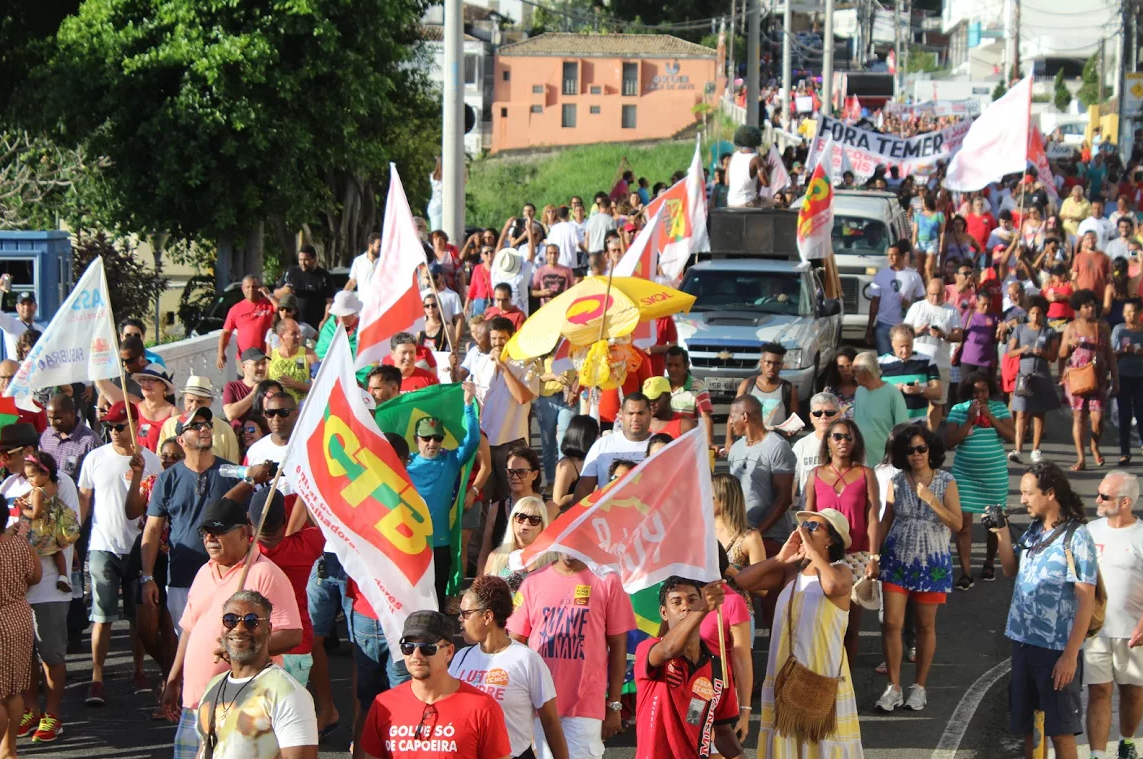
x,y
630,87
571,87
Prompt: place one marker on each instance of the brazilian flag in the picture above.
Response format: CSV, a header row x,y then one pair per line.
x,y
646,605
445,402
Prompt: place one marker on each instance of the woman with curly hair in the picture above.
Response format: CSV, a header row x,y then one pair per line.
x,y
1054,563
922,510
512,673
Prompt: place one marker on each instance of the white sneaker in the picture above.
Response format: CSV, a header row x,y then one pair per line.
x,y
1014,457
1037,456
916,700
890,699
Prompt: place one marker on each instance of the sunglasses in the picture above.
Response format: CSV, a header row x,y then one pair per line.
x,y
117,427
839,436
910,450
278,412
827,413
197,427
530,519
437,438
129,361
431,305
252,430
428,649
217,531
1104,497
251,620
466,613
519,472
812,527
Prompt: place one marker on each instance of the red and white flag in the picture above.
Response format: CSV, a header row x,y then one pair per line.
x,y
360,495
996,143
683,220
392,303
779,177
656,522
815,218
1039,158
642,260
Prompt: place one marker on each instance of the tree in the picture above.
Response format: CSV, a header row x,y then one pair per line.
x,y
1062,96
131,286
999,90
41,182
1089,91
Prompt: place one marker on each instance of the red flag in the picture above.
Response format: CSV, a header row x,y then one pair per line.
x,y
1039,157
656,522
393,302
684,219
815,218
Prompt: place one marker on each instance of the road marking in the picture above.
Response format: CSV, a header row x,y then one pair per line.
x,y
962,715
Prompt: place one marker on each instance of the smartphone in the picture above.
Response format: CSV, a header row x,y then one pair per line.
x,y
5,281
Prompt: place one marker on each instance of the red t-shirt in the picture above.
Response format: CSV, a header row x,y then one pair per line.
x,y
515,315
417,380
665,333
232,392
980,227
467,724
609,399
1060,309
251,320
38,419
666,696
295,556
361,604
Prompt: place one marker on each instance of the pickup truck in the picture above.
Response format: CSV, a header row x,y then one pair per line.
x,y
756,290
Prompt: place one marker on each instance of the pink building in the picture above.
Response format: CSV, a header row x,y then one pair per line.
x,y
573,89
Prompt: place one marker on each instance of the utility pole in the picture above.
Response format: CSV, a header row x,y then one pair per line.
x,y
897,49
1123,139
753,32
731,70
452,126
787,97
827,60
1102,69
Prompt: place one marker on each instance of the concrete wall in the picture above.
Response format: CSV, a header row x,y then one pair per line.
x,y
196,355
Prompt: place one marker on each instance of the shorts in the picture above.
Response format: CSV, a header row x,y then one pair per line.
x,y
327,596
917,596
186,735
1107,660
946,379
927,247
298,666
110,575
584,738
49,621
135,564
470,519
1031,688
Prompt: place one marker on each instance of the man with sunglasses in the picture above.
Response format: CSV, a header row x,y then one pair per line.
x,y
433,470
281,412
112,476
198,394
255,689
224,534
824,410
434,715
133,356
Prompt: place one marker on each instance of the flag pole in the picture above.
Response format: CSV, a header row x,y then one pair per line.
x,y
122,373
440,307
261,523
722,652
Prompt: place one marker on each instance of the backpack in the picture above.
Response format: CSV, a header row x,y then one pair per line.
x,y
1100,611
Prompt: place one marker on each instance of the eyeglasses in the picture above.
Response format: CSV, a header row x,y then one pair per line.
x,y
466,613
436,438
428,649
117,427
251,620
519,472
217,531
812,527
827,413
839,436
910,450
529,518
281,413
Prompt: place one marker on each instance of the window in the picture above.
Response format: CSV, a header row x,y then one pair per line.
x,y
471,66
628,117
504,75
571,78
537,89
594,110
596,90
503,113
568,120
537,109
630,79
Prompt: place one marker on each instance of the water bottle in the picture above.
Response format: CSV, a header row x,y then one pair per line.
x,y
234,471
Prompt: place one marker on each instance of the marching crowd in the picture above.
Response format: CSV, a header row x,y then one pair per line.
x,y
140,501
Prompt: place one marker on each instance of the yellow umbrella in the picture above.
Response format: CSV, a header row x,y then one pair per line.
x,y
578,313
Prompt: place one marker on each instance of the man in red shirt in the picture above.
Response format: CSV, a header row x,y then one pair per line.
x,y
683,706
403,350
251,316
435,715
502,298
979,223
666,337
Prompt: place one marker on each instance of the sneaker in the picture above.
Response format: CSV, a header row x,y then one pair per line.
x,y
964,583
1126,750
916,700
890,699
1014,457
142,683
50,728
95,694
1037,456
27,725
988,573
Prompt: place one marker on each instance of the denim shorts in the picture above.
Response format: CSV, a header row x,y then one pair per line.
x,y
298,666
377,671
326,596
1031,688
110,574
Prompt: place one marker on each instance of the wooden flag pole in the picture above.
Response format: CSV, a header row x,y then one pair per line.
x,y
261,522
722,653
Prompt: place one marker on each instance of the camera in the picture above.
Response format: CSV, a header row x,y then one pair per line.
x,y
995,516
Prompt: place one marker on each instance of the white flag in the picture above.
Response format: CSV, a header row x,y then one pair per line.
x,y
779,177
684,219
80,344
996,143
360,495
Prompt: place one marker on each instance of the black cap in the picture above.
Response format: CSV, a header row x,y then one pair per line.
x,y
427,627
202,412
253,354
224,513
26,296
18,435
275,517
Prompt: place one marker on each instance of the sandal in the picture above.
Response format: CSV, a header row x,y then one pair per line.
x,y
1079,466
881,669
1124,460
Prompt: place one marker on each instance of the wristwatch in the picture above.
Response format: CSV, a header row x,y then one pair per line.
x,y
615,706
146,579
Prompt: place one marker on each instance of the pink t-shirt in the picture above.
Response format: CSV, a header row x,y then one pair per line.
x,y
567,621
734,612
202,620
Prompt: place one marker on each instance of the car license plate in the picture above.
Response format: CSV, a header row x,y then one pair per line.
x,y
721,385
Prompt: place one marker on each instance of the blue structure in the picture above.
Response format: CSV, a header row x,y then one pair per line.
x,y
39,262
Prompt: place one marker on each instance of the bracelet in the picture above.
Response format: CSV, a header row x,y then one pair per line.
x,y
744,709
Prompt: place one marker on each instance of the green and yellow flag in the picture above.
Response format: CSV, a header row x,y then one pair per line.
x,y
445,402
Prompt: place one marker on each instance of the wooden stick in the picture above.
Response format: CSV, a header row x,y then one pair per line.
x,y
261,522
722,653
440,307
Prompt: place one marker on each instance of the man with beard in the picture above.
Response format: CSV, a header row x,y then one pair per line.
x,y
269,714
281,413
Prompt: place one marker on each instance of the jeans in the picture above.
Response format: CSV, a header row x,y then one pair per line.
x,y
325,596
881,338
554,419
1130,401
377,671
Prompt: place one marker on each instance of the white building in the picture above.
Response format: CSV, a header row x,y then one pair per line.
x,y
477,61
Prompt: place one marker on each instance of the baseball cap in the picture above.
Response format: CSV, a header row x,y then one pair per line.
x,y
203,413
117,413
275,517
427,626
224,513
26,296
653,387
253,354
429,425
289,300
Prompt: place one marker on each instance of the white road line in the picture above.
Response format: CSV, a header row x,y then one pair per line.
x,y
962,715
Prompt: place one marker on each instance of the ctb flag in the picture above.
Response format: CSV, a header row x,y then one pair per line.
x,y
357,489
815,218
656,522
683,220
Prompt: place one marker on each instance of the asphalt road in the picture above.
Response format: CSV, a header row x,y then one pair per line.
x,y
966,715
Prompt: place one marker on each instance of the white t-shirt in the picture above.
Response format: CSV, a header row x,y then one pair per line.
x,y
806,450
107,474
450,302
894,287
1118,248
521,283
945,318
502,418
272,713
362,271
567,236
1101,227
516,677
12,328
609,448
1120,556
45,591
267,450
885,474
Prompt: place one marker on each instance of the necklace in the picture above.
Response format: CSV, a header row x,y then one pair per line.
x,y
222,691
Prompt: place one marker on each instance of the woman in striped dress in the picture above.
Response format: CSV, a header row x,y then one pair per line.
x,y
978,428
810,619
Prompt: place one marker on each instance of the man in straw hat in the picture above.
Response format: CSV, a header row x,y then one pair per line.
x,y
198,394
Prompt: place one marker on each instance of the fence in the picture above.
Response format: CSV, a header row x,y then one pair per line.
x,y
198,356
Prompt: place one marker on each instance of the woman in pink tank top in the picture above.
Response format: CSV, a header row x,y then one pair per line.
x,y
841,482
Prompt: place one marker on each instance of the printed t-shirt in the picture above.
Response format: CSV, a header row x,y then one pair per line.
x,y
895,287
1119,552
607,449
691,399
567,620
418,380
250,321
554,278
917,368
945,318
679,703
107,474
256,720
295,556
806,454
469,724
516,677
202,618
1092,270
